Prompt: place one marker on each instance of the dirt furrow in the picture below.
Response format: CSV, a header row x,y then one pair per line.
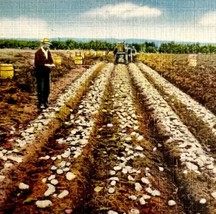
x,y
193,167
40,131
200,121
45,121
67,161
130,176
112,144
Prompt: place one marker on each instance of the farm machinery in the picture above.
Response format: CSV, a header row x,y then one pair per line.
x,y
124,53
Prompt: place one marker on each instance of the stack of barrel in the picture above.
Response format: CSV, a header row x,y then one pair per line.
x,y
78,59
6,71
57,60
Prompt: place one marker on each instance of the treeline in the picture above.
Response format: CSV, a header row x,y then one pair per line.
x,y
56,44
21,44
147,47
173,47
176,48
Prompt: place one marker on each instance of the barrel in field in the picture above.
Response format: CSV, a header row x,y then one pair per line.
x,y
87,53
192,60
6,71
80,53
72,54
100,53
78,60
57,60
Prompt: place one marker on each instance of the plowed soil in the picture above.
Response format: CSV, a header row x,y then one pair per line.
x,y
115,139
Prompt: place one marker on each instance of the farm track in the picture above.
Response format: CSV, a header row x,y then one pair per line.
x,y
96,151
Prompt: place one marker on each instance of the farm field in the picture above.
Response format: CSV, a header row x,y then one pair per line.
x,y
199,82
135,139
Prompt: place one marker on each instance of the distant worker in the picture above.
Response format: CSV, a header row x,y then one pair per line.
x,y
43,65
132,54
129,52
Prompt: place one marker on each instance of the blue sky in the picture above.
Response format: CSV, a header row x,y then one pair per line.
x,y
175,20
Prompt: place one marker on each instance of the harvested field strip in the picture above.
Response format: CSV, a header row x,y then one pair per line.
x,y
114,143
44,120
69,159
15,116
128,178
41,129
201,122
193,167
198,82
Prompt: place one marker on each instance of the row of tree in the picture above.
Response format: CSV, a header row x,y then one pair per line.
x,y
147,47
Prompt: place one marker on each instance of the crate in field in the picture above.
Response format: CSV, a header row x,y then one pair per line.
x,y
78,60
110,53
193,63
6,71
72,54
100,53
192,60
57,60
81,53
93,52
87,53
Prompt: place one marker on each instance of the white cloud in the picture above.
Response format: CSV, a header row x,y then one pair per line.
x,y
123,11
23,27
208,19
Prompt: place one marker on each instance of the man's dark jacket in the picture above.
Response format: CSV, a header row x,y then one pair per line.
x,y
40,61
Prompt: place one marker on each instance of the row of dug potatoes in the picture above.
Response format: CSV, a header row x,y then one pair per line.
x,y
7,70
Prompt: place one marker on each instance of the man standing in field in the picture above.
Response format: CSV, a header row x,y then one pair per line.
x,y
43,65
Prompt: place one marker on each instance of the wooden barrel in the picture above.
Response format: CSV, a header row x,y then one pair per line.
x,y
72,54
78,60
87,53
192,60
80,53
110,53
100,53
57,60
93,52
6,71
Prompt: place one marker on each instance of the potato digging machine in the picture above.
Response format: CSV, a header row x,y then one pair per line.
x,y
124,53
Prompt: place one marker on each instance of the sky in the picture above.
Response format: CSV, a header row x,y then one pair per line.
x,y
169,20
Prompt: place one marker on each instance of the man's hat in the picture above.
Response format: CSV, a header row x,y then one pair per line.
x,y
46,41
